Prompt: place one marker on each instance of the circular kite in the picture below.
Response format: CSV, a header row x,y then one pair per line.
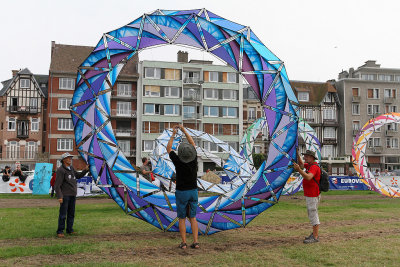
x,y
238,47
358,154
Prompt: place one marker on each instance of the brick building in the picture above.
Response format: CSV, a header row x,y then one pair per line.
x,y
22,122
65,60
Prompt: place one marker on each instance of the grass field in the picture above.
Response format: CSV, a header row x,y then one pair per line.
x,y
357,229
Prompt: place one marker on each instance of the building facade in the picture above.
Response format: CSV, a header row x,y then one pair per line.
x,y
197,94
366,93
65,60
319,107
23,105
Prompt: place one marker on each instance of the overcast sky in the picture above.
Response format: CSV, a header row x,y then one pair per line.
x,y
315,38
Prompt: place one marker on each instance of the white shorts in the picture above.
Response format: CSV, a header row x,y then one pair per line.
x,y
312,209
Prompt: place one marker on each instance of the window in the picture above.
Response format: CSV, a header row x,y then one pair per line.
x,y
374,142
355,109
329,114
397,78
22,128
329,132
252,114
151,90
373,93
372,109
392,127
65,144
35,124
64,103
211,147
356,125
369,77
213,76
124,108
148,145
303,96
386,78
327,151
231,77
329,98
67,84
189,112
394,143
124,89
389,109
389,93
152,73
172,74
211,94
191,77
33,105
191,94
13,150
309,114
257,149
229,112
211,111
11,124
234,145
125,146
25,83
151,109
30,150
171,110
65,125
229,94
172,92
356,91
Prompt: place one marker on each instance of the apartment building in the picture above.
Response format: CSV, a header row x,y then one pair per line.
x,y
198,94
65,60
366,93
23,105
319,107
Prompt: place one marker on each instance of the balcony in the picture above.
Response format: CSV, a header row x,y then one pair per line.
x,y
124,95
329,141
390,133
377,150
356,99
19,154
116,113
192,80
129,153
191,116
328,122
125,133
192,98
23,109
389,100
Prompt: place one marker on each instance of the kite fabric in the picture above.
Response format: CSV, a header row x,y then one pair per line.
x,y
360,161
306,132
230,206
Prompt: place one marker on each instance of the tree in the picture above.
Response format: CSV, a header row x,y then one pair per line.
x,y
258,160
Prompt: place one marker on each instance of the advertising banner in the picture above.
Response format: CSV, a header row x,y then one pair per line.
x,y
42,177
346,183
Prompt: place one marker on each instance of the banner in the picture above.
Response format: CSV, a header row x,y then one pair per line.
x,y
42,177
346,183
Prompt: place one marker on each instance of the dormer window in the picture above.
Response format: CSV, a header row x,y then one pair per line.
x,y
25,83
304,96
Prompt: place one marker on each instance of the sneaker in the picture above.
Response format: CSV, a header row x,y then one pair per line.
x,y
308,237
61,235
72,233
312,239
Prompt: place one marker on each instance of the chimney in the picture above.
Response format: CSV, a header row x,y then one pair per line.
x,y
14,72
183,56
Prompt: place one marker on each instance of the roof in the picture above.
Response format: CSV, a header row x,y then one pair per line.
x,y
67,59
39,78
317,90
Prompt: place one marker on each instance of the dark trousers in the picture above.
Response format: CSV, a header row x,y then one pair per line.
x,y
67,211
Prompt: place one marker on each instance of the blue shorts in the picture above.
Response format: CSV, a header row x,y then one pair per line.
x,y
186,203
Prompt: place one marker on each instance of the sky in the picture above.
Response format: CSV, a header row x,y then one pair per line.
x,y
316,39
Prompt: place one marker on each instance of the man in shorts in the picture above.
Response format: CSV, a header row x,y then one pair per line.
x,y
186,185
311,180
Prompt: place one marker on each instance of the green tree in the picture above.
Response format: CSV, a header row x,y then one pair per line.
x,y
258,160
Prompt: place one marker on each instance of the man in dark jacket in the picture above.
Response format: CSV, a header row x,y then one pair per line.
x,y
65,187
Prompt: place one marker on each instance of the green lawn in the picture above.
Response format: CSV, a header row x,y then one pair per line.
x,y
357,229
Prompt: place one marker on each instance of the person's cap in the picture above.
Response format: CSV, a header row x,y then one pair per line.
x,y
186,152
65,155
310,153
